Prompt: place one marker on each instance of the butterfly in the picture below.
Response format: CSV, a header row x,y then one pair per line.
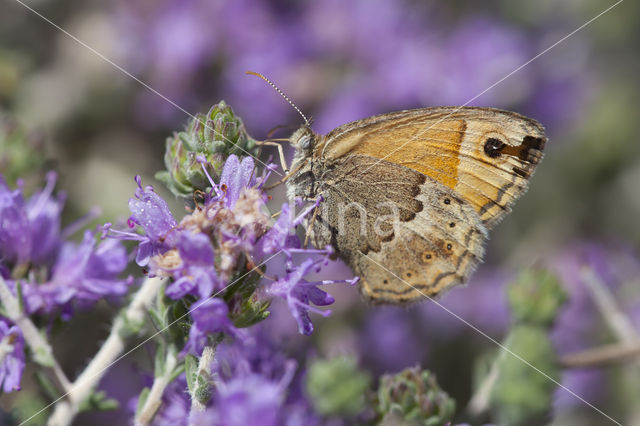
x,y
408,197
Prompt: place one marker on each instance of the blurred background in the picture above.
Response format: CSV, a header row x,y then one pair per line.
x,y
341,61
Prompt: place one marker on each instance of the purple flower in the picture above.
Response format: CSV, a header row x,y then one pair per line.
x,y
209,316
246,400
201,252
256,385
176,404
82,274
55,274
152,213
30,232
15,235
196,273
44,213
253,383
12,360
279,237
235,177
300,294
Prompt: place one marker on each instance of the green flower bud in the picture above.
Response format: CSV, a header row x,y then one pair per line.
x,y
535,297
521,395
413,397
337,387
215,136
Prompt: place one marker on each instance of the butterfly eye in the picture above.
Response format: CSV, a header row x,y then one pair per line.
x,y
493,146
306,143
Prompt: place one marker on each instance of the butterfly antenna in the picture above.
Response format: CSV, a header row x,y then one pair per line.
x,y
277,89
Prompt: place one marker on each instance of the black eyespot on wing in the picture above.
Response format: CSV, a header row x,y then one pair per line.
x,y
493,146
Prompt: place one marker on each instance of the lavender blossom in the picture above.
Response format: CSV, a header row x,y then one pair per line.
x,y
30,230
202,252
12,360
152,213
300,294
55,275
209,316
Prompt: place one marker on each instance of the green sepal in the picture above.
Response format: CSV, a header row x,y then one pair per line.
x,y
535,297
191,372
522,395
214,136
98,401
337,386
144,394
160,357
414,397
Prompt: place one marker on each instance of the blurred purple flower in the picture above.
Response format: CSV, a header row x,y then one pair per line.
x,y
246,400
337,55
254,383
209,316
12,359
388,340
176,404
574,328
255,375
30,232
82,274
65,274
15,236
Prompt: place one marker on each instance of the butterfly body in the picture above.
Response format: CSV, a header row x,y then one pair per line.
x,y
409,196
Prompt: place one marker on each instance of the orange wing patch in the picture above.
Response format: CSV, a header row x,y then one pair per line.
x,y
432,152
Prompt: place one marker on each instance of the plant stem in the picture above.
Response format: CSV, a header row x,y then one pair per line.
x,y
66,410
160,383
42,352
601,355
613,315
479,403
202,391
620,324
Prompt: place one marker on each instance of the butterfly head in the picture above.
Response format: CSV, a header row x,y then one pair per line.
x,y
304,141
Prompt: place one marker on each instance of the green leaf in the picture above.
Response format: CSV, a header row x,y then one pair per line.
x,y
191,372
98,401
142,399
50,390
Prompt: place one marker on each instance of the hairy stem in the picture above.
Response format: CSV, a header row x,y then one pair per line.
x,y
42,352
160,383
66,409
202,390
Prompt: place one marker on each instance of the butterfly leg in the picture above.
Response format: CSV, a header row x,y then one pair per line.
x,y
283,161
312,221
286,178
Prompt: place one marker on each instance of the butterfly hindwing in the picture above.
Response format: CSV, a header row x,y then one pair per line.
x,y
433,241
